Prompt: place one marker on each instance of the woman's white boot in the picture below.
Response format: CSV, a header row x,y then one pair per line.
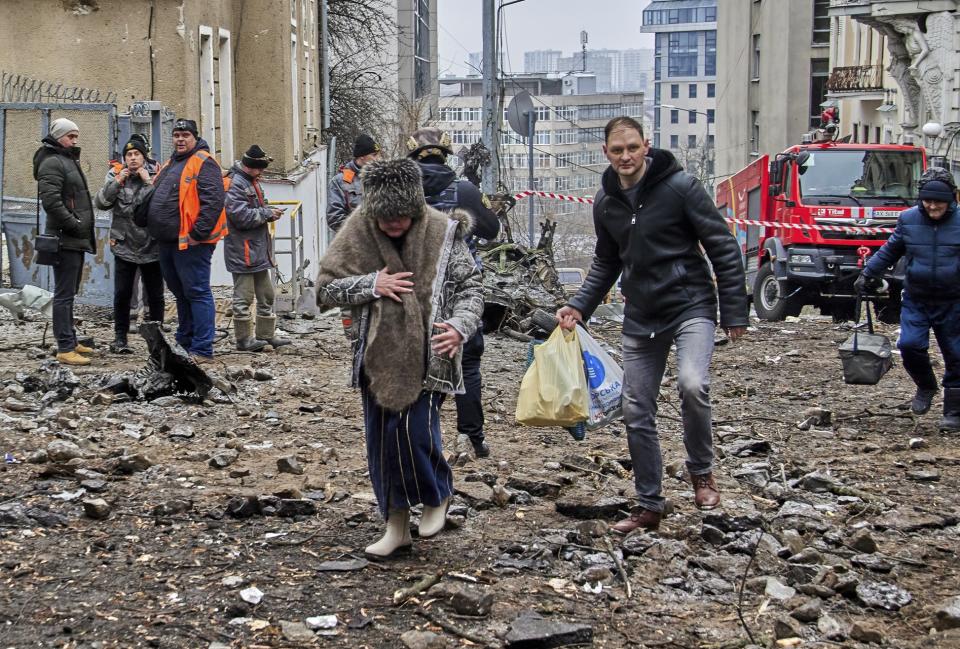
x,y
397,536
433,519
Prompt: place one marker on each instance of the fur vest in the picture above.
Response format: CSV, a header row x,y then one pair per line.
x,y
392,342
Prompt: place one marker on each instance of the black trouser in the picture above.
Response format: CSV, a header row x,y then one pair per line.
x,y
66,283
125,276
470,404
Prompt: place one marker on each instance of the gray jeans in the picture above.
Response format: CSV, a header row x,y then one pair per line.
x,y
644,362
67,276
246,287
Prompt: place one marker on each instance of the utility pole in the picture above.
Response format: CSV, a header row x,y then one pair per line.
x,y
491,96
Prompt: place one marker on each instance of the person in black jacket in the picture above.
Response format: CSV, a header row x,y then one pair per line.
x,y
62,188
430,146
654,222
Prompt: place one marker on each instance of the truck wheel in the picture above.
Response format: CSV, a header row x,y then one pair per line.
x,y
770,299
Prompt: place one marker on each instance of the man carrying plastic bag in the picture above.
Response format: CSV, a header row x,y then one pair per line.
x,y
651,220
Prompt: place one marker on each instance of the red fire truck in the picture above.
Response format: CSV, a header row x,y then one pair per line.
x,y
820,183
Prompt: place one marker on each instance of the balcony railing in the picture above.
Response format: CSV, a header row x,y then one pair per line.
x,y
856,78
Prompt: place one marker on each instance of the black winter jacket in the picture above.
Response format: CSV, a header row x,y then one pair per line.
x,y
657,247
163,215
438,176
62,189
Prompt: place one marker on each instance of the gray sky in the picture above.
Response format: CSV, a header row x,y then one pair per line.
x,y
539,25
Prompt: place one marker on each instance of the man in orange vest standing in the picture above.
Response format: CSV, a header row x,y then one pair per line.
x,y
187,219
344,194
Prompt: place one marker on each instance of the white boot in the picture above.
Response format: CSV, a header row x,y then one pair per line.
x,y
433,519
395,538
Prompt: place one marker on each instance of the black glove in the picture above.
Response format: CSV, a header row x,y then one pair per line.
x,y
866,284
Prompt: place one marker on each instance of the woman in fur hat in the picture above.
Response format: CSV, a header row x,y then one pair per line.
x,y
415,295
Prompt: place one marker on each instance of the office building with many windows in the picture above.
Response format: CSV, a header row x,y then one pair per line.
x,y
685,80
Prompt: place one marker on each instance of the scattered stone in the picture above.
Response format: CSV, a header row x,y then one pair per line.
x,y
727,523
60,450
776,590
794,541
948,614
295,631
471,601
243,507
808,556
816,590
786,627
924,475
134,463
289,464
348,565
94,486
917,443
795,508
478,493
102,399
232,581
322,622
181,431
748,448
863,632
292,507
637,543
96,508
530,631
252,595
262,375
908,521
863,541
879,594
712,535
590,507
809,611
534,486
39,456
239,473
422,640
831,628
222,458
172,507
872,562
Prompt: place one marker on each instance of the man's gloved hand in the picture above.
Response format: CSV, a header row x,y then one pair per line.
x,y
866,284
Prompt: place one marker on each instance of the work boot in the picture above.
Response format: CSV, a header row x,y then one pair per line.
x,y
72,358
433,519
705,492
119,345
395,539
951,410
83,349
267,331
922,401
243,330
640,517
480,448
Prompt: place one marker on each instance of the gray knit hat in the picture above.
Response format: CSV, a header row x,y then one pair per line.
x,y
392,189
61,126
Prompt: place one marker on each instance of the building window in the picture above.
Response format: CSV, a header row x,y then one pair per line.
x,y
295,96
674,91
692,91
543,137
710,55
208,120
711,90
562,160
421,48
543,113
543,160
819,74
691,117
591,135
755,130
674,116
691,141
755,63
568,113
711,115
710,139
682,54
656,140
821,22
674,141
225,75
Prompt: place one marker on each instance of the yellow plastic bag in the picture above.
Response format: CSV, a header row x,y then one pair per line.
x,y
554,390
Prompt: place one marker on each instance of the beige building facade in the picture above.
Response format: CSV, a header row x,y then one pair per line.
x,y
196,57
773,64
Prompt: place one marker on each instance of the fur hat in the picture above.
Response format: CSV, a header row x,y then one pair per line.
x,y
392,189
256,158
429,141
186,125
61,126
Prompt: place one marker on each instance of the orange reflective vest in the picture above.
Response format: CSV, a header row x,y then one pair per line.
x,y
190,202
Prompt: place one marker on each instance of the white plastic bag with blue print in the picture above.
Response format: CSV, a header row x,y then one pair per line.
x,y
604,382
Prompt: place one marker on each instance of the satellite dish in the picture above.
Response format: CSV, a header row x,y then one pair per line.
x,y
517,113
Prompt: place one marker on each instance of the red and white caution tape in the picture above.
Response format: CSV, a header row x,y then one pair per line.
x,y
765,224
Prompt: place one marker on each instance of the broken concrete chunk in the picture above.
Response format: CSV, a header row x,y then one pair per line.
x,y
530,631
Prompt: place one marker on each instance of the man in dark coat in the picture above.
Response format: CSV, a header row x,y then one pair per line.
x,y
248,253
62,189
430,146
928,235
345,192
652,221
186,218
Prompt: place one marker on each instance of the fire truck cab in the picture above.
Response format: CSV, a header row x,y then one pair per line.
x,y
815,205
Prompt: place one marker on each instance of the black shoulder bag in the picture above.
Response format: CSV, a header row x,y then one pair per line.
x,y
865,357
46,245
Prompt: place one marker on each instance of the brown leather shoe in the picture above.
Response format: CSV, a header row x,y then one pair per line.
x,y
706,494
639,517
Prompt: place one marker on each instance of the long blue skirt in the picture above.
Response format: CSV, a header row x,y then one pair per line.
x,y
405,453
